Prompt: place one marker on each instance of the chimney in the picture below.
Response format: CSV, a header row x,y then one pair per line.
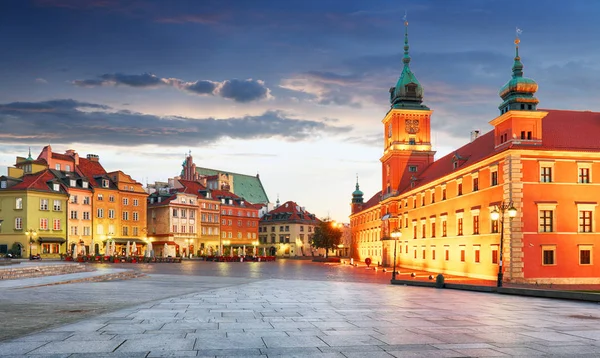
x,y
73,154
474,135
93,157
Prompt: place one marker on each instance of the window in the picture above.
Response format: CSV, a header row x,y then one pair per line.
x,y
56,224
74,199
459,226
84,184
423,255
477,253
72,182
136,216
444,228
135,231
585,254
433,197
175,212
548,255
476,225
193,215
433,229
111,198
125,230
414,252
584,175
43,204
57,166
423,230
125,215
414,230
86,231
86,215
546,174
446,252
18,223
546,221
100,197
111,213
495,254
462,253
494,178
56,187
73,214
19,203
136,202
412,168
459,189
183,229
105,183
100,213
74,230
125,201
86,200
43,224
433,252
495,227
3,184
183,213
174,228
475,184
444,193
585,221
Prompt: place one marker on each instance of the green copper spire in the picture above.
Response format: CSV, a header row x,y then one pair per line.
x,y
357,195
29,157
518,92
408,92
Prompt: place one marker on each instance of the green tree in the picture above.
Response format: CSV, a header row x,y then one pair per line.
x,y
327,236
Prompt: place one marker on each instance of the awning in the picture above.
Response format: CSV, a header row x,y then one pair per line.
x,y
386,216
59,240
164,242
124,240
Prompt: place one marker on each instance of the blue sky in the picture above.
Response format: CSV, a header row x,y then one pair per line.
x,y
292,90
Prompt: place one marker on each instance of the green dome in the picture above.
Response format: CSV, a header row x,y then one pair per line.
x,y
408,92
357,195
518,92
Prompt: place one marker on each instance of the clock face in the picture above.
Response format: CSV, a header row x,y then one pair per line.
x,y
412,126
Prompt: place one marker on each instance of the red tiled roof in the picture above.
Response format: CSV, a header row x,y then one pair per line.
x,y
90,169
582,135
191,187
224,193
292,208
62,157
372,202
36,181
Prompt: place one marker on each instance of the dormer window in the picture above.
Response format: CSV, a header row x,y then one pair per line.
x,y
56,187
455,164
67,168
3,184
72,182
84,184
105,183
411,90
57,167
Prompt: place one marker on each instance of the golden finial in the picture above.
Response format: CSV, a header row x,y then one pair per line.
x,y
517,41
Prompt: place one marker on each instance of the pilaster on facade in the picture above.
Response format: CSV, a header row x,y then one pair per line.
x,y
513,234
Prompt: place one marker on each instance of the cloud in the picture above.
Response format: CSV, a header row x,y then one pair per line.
x,y
326,88
238,90
244,91
41,80
99,124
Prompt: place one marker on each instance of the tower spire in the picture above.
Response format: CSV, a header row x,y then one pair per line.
x,y
518,92
29,157
406,58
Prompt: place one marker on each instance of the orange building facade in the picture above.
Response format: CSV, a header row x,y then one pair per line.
x,y
540,162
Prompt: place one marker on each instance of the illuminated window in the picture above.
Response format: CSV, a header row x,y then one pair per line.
x,y
446,252
433,229
495,229
433,252
476,225
584,175
459,226
585,221
475,184
459,189
462,253
477,253
444,193
495,254
444,228
546,221
546,175
494,178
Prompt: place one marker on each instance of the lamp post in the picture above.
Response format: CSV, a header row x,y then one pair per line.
x,y
396,234
498,213
31,234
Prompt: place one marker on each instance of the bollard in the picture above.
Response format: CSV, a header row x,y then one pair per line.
x,y
439,281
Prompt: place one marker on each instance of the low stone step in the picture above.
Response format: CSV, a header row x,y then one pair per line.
x,y
12,273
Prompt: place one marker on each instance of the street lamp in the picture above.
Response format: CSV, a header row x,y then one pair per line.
x,y
498,213
396,234
31,234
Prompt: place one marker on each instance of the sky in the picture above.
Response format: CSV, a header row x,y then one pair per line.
x,y
292,90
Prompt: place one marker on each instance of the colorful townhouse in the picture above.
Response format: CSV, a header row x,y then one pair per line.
x,y
287,231
172,222
518,203
32,213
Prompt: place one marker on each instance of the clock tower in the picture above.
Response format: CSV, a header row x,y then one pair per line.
x,y
407,132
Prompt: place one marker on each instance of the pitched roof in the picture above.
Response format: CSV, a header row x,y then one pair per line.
x,y
191,187
289,211
90,169
62,157
37,181
246,186
582,135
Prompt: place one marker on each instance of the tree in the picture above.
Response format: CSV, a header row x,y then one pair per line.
x,y
327,236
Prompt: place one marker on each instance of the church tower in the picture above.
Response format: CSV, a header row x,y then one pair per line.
x,y
407,127
519,123
357,199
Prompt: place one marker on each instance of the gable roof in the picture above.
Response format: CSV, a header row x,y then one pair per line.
x,y
37,181
91,169
290,211
246,186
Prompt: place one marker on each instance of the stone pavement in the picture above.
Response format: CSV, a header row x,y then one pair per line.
x,y
308,318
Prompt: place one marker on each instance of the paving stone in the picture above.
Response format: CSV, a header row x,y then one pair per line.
x,y
231,343
230,353
428,353
296,341
78,347
20,347
45,337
